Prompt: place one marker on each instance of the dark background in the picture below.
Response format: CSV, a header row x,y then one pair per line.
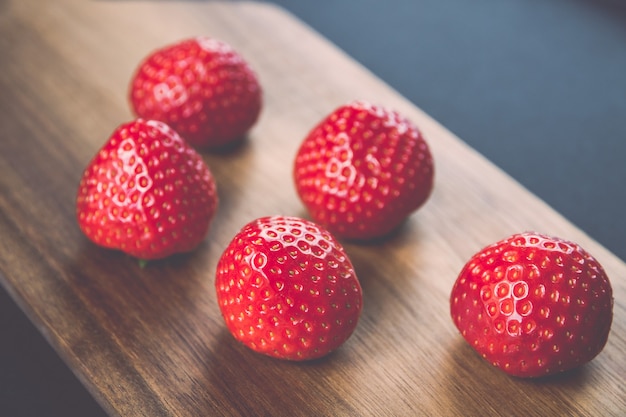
x,y
537,86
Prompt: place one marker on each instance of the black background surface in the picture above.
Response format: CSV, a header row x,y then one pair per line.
x,y
538,87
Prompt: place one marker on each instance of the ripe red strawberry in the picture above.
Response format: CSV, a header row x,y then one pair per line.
x,y
146,192
533,305
363,170
202,88
287,289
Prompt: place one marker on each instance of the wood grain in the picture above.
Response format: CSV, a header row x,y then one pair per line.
x,y
151,342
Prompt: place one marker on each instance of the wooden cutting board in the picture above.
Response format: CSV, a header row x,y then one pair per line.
x,y
151,342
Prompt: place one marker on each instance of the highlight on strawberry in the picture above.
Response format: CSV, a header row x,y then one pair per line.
x,y
146,192
287,289
363,170
533,305
202,88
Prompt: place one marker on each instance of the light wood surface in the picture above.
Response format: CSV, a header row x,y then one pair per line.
x,y
151,342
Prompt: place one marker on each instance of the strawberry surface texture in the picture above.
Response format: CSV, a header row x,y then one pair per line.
x,y
533,305
287,289
146,192
363,170
202,88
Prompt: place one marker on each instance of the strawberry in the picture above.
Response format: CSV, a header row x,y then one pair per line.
x,y
287,289
202,88
363,170
146,192
533,305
